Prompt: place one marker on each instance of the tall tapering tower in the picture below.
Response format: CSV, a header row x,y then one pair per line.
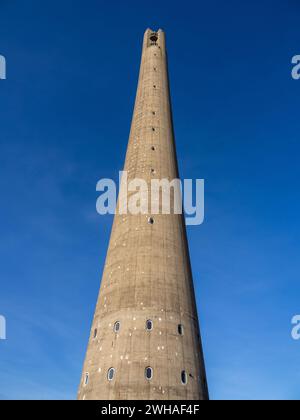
x,y
145,340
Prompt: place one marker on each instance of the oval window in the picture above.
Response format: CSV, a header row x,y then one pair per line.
x,y
117,327
149,325
180,329
110,374
149,373
184,377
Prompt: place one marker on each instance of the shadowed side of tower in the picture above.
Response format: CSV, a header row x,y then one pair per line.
x,y
145,340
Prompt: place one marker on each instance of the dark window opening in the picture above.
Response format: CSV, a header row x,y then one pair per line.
x,y
117,327
153,38
95,332
149,325
110,374
180,329
86,379
184,377
149,373
151,220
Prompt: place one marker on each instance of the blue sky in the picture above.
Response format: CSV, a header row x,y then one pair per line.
x,y
66,107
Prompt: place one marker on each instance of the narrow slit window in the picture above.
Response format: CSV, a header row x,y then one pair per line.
x,y
153,128
95,333
149,373
86,379
180,329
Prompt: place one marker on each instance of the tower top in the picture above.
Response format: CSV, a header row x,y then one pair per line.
x,y
154,38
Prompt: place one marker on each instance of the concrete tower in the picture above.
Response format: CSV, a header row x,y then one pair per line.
x,y
145,340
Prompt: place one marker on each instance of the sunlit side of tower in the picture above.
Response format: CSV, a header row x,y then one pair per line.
x,y
145,341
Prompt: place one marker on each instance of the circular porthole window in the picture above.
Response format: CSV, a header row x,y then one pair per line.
x,y
111,374
149,373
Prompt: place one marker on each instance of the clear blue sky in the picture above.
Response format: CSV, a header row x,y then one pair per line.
x,y
65,116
